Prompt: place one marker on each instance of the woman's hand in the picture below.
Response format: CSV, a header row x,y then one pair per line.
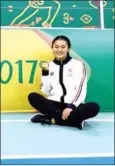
x,y
66,113
44,65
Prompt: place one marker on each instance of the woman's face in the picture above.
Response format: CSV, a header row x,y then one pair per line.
x,y
60,49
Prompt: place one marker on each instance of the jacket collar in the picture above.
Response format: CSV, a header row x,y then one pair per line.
x,y
68,58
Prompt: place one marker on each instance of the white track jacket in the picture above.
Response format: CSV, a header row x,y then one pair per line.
x,y
65,81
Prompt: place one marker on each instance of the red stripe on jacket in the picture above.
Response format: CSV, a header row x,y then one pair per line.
x,y
81,85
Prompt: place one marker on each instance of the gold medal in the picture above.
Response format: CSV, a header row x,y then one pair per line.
x,y
44,65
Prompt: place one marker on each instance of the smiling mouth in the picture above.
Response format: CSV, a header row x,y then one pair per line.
x,y
60,54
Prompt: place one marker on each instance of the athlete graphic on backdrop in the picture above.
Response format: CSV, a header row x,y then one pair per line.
x,y
53,9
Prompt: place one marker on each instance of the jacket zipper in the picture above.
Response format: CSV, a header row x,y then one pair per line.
x,y
61,82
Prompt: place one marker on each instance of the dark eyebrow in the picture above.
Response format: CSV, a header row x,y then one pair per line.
x,y
61,45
